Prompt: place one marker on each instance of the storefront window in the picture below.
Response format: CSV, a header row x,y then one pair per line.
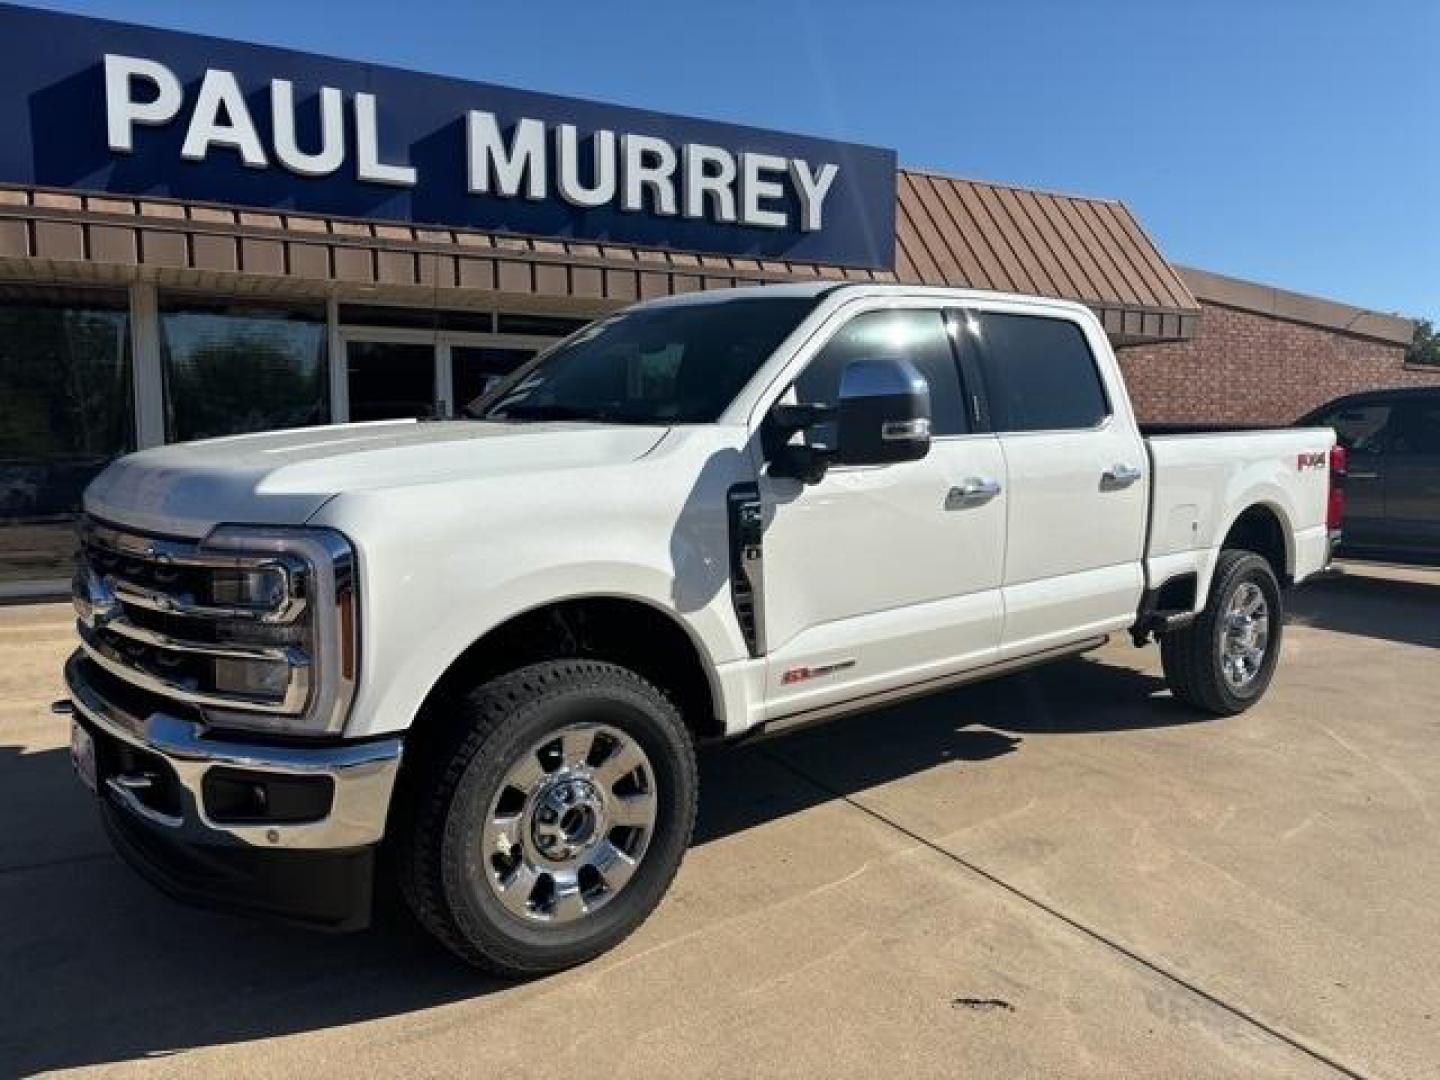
x,y
65,412
233,368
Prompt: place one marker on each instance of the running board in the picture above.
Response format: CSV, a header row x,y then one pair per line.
x,y
806,717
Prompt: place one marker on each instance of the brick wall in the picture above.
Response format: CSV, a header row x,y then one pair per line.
x,y
1248,368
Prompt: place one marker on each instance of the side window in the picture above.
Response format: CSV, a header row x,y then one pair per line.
x,y
1360,428
918,336
1039,373
1417,429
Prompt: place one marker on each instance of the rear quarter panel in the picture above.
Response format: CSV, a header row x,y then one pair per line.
x,y
1203,483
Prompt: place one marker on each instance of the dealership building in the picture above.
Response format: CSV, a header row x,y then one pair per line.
x,y
201,237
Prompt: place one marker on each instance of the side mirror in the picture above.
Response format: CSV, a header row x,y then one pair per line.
x,y
883,413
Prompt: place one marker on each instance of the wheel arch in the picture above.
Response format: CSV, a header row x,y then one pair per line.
x,y
625,629
1264,528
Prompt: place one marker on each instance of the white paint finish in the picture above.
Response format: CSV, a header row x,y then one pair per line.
x,y
870,566
1065,531
1211,479
444,563
460,526
1070,607
282,477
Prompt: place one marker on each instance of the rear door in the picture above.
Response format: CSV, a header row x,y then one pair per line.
x,y
1078,481
1363,429
1412,475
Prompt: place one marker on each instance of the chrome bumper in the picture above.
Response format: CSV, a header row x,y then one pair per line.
x,y
362,775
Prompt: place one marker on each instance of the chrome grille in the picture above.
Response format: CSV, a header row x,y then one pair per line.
x,y
244,636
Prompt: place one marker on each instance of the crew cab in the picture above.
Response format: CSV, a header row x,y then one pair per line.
x,y
489,646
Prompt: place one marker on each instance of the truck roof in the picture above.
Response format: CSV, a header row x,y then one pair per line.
x,y
819,289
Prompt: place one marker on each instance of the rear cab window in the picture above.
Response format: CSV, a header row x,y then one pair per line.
x,y
1039,372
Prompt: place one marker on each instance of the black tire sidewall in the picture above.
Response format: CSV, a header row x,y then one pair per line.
x,y
629,705
1253,569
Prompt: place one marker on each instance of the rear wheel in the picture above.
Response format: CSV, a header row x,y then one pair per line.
x,y
550,822
1223,661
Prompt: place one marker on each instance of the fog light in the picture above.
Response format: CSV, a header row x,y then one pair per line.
x,y
263,589
240,796
252,678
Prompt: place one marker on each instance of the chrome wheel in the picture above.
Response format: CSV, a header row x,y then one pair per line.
x,y
1245,636
570,823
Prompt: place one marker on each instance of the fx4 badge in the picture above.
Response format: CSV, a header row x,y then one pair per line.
x,y
1311,459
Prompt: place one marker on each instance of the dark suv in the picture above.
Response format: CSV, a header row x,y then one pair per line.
x,y
1392,495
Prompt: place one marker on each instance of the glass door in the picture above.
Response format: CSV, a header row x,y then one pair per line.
x,y
390,380
395,372
476,369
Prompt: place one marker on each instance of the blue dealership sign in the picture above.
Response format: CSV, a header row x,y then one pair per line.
x,y
101,106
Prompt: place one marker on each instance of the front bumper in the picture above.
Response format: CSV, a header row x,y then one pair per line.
x,y
151,777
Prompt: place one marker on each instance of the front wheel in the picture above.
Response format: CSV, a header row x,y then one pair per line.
x,y
550,817
1224,660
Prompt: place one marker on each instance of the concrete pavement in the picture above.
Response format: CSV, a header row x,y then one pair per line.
x,y
1059,873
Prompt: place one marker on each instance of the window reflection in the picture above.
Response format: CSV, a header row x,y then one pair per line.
x,y
65,412
234,368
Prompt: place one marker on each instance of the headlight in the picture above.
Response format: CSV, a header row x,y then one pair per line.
x,y
287,628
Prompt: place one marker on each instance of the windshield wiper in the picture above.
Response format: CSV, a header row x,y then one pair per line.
x,y
565,412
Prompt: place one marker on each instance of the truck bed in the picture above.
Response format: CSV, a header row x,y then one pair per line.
x,y
1203,479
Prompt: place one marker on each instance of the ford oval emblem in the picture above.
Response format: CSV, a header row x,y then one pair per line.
x,y
95,601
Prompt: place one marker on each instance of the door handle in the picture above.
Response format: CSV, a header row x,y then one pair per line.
x,y
1353,475
974,491
1119,476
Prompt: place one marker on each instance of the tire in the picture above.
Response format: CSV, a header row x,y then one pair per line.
x,y
1195,657
509,795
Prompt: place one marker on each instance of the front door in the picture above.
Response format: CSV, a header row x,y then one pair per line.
x,y
883,576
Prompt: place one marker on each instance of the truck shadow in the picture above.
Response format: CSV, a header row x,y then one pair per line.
x,y
1403,610
105,970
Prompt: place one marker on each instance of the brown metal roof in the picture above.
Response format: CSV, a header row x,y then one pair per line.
x,y
982,235
949,231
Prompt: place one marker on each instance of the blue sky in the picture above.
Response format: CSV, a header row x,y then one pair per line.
x,y
1295,142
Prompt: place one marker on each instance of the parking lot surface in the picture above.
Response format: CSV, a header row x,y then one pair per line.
x,y
1058,873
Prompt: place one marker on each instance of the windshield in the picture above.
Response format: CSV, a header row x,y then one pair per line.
x,y
663,365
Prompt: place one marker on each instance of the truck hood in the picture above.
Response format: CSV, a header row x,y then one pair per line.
x,y
284,477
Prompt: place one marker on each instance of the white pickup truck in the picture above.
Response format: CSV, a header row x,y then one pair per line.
x,y
489,646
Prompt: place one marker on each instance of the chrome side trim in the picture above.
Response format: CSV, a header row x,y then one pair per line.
x,y
790,721
128,592
363,774
278,654
104,656
194,555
